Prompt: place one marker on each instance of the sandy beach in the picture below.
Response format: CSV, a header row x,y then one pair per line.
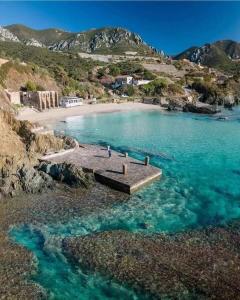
x,y
51,116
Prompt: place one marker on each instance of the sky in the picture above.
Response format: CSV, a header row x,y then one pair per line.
x,y
168,26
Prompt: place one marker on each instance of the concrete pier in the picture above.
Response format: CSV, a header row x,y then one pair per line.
x,y
109,171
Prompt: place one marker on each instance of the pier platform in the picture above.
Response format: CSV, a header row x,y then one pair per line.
x,y
109,171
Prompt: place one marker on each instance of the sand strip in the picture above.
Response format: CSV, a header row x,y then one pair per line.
x,y
51,116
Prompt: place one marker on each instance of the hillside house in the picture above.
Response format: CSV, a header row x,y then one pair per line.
x,y
122,80
128,80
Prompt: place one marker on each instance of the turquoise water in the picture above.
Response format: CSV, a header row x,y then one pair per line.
x,y
200,159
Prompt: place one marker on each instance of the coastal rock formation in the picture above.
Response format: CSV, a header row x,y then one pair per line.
x,y
201,108
17,171
67,173
201,264
25,179
19,153
175,104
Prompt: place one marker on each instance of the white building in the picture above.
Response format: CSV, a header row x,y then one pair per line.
x,y
70,101
141,82
123,80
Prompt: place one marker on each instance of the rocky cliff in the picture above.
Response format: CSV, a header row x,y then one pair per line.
x,y
19,153
221,53
104,40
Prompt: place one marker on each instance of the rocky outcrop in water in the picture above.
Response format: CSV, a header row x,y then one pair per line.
x,y
200,264
68,173
202,108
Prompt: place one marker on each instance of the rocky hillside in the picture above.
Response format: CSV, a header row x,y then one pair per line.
x,y
223,54
19,153
104,40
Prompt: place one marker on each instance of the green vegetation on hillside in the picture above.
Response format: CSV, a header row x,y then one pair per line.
x,y
45,36
62,66
20,68
69,70
33,87
126,68
160,86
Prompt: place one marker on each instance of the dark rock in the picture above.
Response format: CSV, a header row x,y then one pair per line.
x,y
25,179
175,104
200,108
33,181
67,173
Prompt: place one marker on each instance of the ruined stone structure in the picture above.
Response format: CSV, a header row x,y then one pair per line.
x,y
41,99
14,97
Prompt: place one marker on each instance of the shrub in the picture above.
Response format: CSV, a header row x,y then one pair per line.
x,y
101,72
156,87
31,86
114,70
148,75
175,88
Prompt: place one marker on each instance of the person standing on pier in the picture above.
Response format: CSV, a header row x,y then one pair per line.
x,y
109,151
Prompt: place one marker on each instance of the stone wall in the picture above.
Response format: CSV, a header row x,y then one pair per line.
x,y
14,97
41,99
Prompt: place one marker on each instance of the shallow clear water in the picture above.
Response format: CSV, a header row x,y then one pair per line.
x,y
200,159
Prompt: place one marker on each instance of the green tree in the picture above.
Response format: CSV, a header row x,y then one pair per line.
x,y
31,86
156,87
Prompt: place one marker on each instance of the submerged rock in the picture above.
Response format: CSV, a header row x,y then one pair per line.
x,y
195,265
67,173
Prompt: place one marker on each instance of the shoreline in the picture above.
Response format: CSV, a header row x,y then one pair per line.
x,y
52,116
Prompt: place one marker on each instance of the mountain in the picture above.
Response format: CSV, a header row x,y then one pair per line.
x,y
218,54
104,40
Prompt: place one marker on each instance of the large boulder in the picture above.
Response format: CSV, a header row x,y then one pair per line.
x,y
175,104
67,173
202,108
25,179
